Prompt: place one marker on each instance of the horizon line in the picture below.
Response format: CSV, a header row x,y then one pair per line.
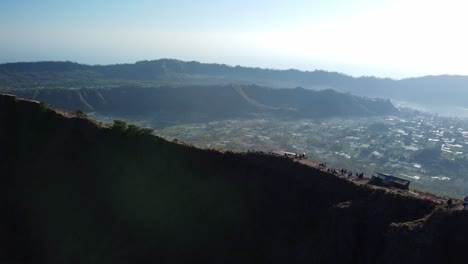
x,y
234,66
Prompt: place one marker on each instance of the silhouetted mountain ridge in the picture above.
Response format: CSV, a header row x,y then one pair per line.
x,y
75,191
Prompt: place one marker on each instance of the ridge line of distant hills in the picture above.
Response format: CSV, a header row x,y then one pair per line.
x,y
202,103
444,90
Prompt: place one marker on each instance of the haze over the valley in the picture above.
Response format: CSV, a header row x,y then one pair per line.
x,y
222,131
380,38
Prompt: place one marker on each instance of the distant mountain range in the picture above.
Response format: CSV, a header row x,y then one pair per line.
x,y
189,103
429,91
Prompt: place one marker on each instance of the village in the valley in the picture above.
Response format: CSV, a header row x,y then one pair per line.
x,y
427,149
393,144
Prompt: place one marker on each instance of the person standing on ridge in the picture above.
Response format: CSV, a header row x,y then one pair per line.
x,y
449,203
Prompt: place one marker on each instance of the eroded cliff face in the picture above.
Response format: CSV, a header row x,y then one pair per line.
x,y
74,191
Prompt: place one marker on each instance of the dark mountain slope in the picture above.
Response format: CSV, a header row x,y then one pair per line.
x,y
74,191
326,103
430,90
202,103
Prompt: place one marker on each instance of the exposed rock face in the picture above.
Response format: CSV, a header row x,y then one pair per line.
x,y
74,191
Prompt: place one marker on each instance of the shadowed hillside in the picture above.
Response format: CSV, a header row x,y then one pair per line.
x,y
74,191
202,103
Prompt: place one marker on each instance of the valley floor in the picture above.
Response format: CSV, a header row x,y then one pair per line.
x,y
387,144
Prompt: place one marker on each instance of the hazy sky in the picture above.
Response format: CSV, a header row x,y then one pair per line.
x,y
396,38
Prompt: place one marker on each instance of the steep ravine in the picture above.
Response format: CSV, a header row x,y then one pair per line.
x,y
74,191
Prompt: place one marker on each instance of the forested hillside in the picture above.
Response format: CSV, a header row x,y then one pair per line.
x,y
215,102
430,91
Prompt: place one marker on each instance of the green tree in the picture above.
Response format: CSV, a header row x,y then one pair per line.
x,y
120,125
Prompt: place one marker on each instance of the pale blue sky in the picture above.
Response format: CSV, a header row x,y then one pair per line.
x,y
393,38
